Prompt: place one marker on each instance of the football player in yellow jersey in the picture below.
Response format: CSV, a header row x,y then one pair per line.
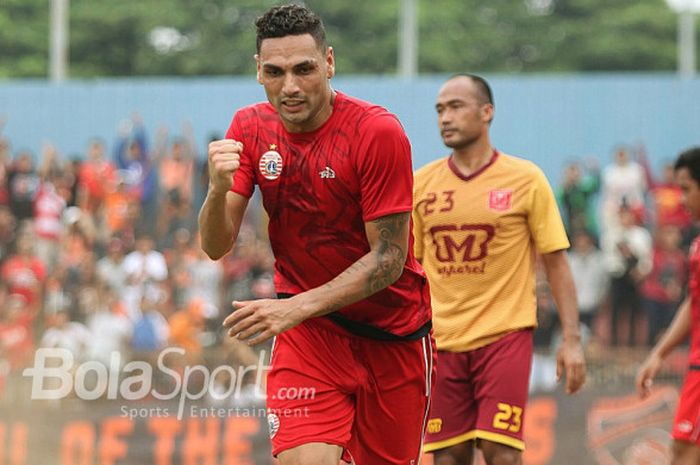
x,y
479,218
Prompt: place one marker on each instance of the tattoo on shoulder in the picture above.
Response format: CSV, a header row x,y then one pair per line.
x,y
391,253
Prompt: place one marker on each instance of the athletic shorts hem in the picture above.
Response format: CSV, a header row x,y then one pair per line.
x,y
437,445
501,439
292,445
472,435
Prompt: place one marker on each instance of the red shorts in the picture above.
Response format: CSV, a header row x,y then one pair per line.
x,y
686,426
369,397
481,394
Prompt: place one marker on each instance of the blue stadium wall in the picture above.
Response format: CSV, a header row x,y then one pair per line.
x,y
549,119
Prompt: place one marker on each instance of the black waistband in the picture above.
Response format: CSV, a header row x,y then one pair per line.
x,y
694,367
371,332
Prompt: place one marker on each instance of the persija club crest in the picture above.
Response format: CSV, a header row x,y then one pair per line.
x,y
501,200
271,164
273,424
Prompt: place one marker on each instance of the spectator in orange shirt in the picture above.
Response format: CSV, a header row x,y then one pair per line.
x,y
176,163
186,325
95,175
176,177
117,207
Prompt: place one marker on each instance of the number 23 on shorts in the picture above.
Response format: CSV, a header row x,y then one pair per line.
x,y
508,417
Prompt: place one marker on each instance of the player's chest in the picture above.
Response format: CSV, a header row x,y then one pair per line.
x,y
323,158
308,176
498,206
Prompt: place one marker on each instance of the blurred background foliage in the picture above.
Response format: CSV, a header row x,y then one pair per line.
x,y
216,37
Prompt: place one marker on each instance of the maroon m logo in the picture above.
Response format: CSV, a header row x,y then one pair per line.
x,y
465,243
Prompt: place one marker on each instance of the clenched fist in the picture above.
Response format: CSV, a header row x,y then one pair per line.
x,y
224,160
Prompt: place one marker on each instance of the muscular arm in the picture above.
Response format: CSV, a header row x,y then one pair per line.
x,y
563,288
222,212
570,356
259,320
378,269
219,222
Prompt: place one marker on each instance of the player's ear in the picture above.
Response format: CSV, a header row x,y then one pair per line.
x,y
258,68
487,112
330,62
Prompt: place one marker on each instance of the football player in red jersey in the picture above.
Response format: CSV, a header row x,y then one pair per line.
x,y
352,325
686,426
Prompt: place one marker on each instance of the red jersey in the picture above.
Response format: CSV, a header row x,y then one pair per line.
x,y
669,206
95,176
319,188
668,269
24,276
694,284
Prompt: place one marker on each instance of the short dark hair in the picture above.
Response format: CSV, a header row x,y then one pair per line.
x,y
690,159
485,94
290,20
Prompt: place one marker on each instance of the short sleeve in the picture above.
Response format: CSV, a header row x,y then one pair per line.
x,y
417,228
417,237
244,178
384,167
544,220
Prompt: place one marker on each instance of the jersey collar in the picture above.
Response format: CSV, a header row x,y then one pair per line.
x,y
455,170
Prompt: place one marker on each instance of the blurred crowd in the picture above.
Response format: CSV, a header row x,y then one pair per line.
x,y
630,235
99,253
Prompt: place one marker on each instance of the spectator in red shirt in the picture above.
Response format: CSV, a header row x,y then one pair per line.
x,y
666,195
662,289
24,272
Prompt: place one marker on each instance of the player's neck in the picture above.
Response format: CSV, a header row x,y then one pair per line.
x,y
471,159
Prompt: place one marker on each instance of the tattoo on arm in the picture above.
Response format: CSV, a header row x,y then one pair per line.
x,y
378,269
391,253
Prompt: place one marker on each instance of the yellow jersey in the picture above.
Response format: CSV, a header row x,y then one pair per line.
x,y
477,237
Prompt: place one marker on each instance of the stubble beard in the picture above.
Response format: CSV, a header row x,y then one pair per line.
x,y
462,143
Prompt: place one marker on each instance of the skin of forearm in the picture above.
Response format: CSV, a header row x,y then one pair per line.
x,y
563,288
376,270
216,229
